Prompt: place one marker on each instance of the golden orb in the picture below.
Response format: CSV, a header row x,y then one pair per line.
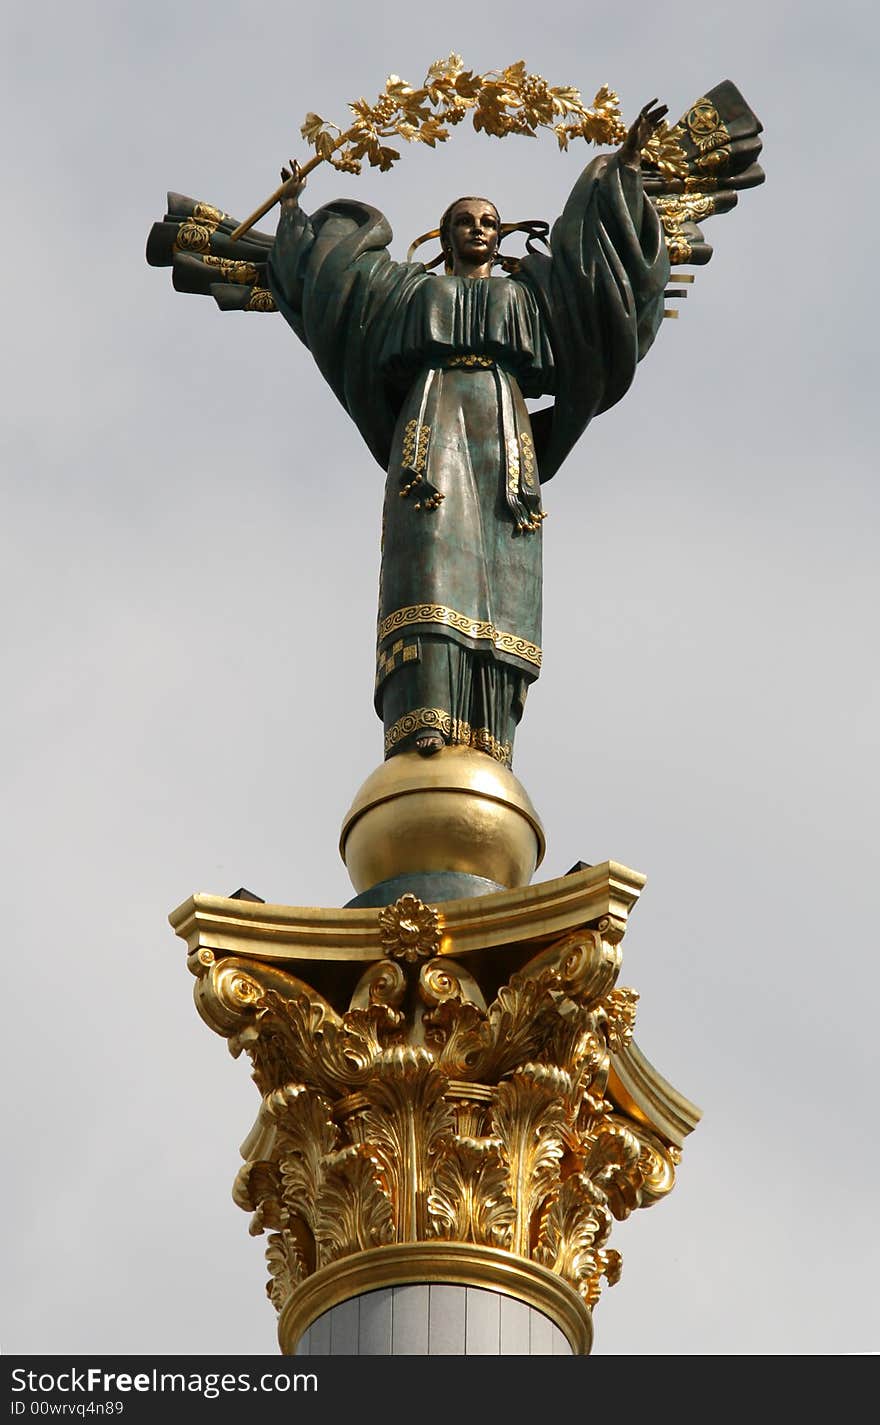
x,y
458,810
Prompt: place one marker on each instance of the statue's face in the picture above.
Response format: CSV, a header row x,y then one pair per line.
x,y
474,230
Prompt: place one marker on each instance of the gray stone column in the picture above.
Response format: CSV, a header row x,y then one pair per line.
x,y
435,1320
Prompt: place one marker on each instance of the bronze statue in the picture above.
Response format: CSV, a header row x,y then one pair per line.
x,y
435,370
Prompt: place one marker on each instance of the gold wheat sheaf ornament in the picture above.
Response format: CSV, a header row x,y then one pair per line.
x,y
500,102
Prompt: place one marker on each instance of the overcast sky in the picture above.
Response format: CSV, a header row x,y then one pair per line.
x,y
191,533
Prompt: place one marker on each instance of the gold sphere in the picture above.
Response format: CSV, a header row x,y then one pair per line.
x,y
458,810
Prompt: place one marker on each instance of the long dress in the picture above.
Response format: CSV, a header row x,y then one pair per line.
x,y
435,371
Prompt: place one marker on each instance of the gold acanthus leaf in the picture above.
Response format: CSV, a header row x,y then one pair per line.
x,y
577,1043
354,1210
469,1200
460,1038
575,1223
303,1039
530,1122
657,1161
518,1021
286,1268
608,1265
257,1188
614,1164
407,1120
307,1136
620,1017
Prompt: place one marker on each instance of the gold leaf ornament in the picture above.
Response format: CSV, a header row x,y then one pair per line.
x,y
311,126
665,152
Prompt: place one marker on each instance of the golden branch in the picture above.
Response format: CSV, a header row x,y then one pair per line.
x,y
501,102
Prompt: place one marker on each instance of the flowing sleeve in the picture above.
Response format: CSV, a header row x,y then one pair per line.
x,y
335,284
601,294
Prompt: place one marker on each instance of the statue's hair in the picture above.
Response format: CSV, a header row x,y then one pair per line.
x,y
446,220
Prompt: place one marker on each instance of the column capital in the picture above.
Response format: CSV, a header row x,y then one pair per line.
x,y
449,1092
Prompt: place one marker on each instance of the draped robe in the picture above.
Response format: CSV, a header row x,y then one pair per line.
x,y
435,371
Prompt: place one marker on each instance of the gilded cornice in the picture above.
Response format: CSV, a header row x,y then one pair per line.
x,y
527,914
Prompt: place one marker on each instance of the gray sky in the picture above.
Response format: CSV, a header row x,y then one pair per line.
x,y
191,539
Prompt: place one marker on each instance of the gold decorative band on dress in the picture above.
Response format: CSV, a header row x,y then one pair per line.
x,y
414,450
471,628
679,248
513,464
390,659
207,213
261,300
527,449
483,741
456,733
709,135
435,718
414,459
243,273
674,213
194,235
681,208
470,362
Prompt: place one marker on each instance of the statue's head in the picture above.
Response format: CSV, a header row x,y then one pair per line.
x,y
470,231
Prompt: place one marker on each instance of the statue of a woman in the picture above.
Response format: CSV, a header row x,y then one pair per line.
x,y
435,371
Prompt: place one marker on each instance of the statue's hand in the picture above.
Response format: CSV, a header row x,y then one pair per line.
x,y
649,118
297,183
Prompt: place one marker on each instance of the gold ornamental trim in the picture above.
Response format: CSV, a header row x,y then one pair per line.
x,y
675,214
448,1263
481,629
456,732
470,362
707,132
483,741
261,300
194,235
414,450
232,270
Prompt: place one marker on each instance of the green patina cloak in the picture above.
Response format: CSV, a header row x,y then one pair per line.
x,y
434,370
